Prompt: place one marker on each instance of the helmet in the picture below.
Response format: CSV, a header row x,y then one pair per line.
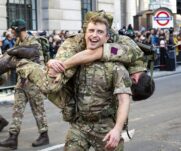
x,y
18,25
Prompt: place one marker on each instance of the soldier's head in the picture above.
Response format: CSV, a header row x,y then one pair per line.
x,y
18,26
143,86
96,32
100,13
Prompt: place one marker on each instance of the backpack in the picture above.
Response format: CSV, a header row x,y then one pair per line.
x,y
45,47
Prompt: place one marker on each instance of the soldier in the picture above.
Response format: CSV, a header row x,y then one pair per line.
x,y
3,123
102,94
26,92
128,53
32,76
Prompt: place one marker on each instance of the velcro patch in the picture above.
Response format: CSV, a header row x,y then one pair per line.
x,y
114,50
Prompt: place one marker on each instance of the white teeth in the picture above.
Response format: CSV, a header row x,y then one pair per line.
x,y
93,40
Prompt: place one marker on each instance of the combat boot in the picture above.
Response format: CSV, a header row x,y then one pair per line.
x,y
30,52
43,139
3,123
10,142
7,63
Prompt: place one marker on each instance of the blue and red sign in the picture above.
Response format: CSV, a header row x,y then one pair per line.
x,y
162,19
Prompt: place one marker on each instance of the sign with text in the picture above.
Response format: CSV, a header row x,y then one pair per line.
x,y
162,18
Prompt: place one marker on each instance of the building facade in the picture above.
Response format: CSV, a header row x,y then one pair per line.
x,y
59,15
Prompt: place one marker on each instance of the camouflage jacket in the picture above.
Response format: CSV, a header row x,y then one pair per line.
x,y
95,86
125,53
27,41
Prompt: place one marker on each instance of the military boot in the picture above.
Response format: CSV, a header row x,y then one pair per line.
x,y
7,63
43,139
3,123
30,52
10,142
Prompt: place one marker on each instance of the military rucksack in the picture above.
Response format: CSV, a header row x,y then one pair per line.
x,y
45,47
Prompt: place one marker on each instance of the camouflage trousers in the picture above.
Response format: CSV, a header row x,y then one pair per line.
x,y
83,135
37,75
29,93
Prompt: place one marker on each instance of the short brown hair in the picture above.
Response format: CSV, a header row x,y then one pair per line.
x,y
99,19
92,14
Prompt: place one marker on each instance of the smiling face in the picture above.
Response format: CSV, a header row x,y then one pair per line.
x,y
96,35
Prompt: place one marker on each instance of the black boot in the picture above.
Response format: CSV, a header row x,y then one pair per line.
x,y
11,142
43,139
3,123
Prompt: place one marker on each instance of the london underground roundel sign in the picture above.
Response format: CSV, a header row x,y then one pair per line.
x,y
162,19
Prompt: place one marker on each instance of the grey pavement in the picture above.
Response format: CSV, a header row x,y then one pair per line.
x,y
158,74
7,97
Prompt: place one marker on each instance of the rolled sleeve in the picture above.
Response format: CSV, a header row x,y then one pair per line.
x,y
126,90
122,81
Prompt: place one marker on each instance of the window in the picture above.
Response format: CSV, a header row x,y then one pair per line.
x,y
24,9
86,5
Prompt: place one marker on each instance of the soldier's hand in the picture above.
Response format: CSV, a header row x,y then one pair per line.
x,y
52,73
112,139
57,65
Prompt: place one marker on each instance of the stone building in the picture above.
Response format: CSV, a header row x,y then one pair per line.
x,y
59,15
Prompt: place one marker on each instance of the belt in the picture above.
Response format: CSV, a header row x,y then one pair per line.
x,y
94,118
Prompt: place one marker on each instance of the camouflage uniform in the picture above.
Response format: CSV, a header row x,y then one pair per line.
x,y
96,86
28,92
128,53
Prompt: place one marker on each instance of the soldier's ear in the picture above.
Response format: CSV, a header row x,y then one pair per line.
x,y
107,36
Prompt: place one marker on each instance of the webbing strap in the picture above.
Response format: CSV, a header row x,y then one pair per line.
x,y
151,69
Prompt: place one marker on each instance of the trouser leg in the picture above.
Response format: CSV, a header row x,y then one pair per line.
x,y
18,110
36,100
37,74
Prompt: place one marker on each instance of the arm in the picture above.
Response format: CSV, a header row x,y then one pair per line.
x,y
122,112
82,57
113,137
121,84
124,50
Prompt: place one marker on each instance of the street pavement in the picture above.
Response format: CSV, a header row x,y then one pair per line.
x,y
57,128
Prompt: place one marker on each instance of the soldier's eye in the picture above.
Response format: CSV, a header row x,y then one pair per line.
x,y
100,32
91,30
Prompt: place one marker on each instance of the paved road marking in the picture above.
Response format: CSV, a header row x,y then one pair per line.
x,y
135,119
53,147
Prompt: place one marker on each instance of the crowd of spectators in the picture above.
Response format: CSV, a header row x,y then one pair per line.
x,y
55,40
159,38
163,40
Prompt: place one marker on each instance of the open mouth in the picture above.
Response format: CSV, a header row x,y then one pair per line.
x,y
94,41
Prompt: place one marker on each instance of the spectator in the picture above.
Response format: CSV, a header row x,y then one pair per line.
x,y
122,31
130,31
163,50
66,35
8,42
154,38
51,48
1,43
